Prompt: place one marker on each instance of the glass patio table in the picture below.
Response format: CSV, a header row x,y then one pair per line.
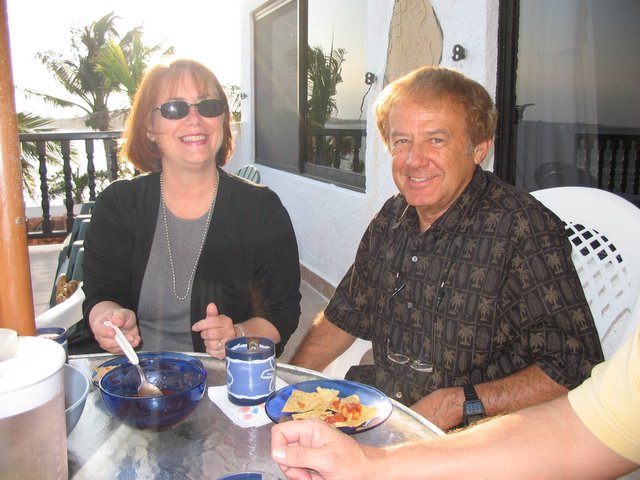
x,y
207,444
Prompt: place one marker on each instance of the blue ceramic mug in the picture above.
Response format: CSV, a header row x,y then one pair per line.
x,y
251,369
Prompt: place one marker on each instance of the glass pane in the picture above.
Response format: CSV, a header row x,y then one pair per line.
x,y
336,87
276,88
577,98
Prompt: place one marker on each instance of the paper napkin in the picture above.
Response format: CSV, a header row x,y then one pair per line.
x,y
243,416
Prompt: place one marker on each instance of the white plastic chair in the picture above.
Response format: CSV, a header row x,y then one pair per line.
x,y
65,314
604,231
249,172
351,356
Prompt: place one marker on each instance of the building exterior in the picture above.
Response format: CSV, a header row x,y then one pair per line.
x,y
329,220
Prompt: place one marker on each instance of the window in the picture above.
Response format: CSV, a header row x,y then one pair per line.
x,y
276,87
311,123
569,102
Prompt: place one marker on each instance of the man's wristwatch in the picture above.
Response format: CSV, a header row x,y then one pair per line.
x,y
472,408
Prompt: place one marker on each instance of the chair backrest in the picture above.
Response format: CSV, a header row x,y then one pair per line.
x,y
604,230
65,314
339,367
78,268
82,229
73,259
87,207
249,172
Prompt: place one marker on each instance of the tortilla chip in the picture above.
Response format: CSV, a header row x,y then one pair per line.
x,y
326,405
102,371
300,401
352,419
350,399
311,414
328,394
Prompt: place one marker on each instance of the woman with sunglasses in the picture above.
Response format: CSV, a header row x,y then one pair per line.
x,y
186,256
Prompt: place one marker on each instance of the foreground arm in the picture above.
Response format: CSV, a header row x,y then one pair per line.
x,y
322,345
545,441
514,392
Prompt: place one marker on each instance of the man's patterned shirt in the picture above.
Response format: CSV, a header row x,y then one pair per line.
x,y
487,290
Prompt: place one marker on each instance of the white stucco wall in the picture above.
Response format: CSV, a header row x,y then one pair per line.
x,y
329,221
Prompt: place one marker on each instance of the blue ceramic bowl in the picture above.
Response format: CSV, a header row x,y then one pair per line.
x,y
182,382
122,360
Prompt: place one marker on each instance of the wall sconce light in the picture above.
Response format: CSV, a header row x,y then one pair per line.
x,y
458,53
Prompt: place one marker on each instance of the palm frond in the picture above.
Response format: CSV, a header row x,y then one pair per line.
x,y
323,75
29,160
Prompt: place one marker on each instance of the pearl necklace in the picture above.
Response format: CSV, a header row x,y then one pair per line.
x,y
204,236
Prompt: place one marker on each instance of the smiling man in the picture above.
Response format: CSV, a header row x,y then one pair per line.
x,y
463,283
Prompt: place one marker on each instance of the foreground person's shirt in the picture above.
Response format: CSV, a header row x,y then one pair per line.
x,y
608,403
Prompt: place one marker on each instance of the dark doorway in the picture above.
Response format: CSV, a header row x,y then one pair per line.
x,y
568,94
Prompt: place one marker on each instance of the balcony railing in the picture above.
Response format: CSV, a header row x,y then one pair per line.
x,y
70,144
336,155
613,159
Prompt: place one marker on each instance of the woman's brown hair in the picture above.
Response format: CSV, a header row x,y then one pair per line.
x,y
138,149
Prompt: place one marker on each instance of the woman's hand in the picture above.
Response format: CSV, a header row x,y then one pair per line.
x,y
120,317
215,330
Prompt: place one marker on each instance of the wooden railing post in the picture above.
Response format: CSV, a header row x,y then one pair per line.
x,y
16,297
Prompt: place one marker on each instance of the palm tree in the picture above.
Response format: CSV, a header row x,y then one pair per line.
x,y
79,184
30,123
102,64
324,73
78,75
124,63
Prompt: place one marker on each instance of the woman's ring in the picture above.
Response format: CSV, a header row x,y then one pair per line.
x,y
219,346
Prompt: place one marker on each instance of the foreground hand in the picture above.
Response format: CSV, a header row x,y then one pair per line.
x,y
120,317
215,330
314,450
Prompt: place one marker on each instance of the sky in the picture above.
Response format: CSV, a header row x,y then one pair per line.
x,y
204,30
344,30
578,64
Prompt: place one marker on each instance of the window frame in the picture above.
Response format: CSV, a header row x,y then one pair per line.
x,y
327,174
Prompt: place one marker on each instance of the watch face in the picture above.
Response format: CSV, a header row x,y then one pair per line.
x,y
474,407
472,411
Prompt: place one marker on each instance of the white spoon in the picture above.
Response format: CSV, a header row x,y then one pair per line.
x,y
145,389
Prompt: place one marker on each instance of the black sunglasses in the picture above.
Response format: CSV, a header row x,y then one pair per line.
x,y
177,109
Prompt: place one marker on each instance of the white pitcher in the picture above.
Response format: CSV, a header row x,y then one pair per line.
x,y
33,440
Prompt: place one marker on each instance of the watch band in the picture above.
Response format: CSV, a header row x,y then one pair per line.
x,y
470,393
472,408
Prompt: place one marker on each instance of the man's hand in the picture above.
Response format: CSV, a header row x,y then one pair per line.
x,y
314,450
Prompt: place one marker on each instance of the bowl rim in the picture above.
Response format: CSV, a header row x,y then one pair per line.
x,y
87,387
193,365
120,359
143,355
